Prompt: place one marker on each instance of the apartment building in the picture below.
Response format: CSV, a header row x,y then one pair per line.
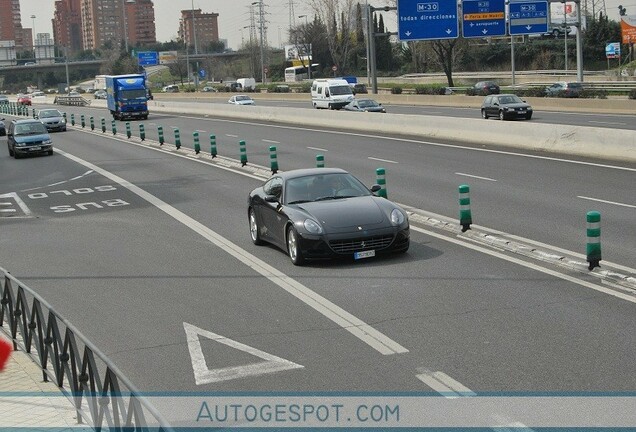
x,y
67,25
200,27
11,25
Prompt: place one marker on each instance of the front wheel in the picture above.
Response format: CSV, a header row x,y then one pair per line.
x,y
293,247
254,234
483,114
10,151
502,116
528,116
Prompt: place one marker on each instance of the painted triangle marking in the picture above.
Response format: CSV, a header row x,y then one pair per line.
x,y
203,375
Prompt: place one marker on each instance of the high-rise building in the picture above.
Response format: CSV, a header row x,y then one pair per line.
x,y
11,25
67,25
141,23
197,28
116,21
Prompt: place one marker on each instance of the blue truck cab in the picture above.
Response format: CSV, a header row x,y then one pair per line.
x,y
127,96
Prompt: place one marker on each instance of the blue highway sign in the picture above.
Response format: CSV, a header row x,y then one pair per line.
x,y
528,17
148,58
484,18
425,19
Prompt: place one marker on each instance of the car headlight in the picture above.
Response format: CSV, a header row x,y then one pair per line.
x,y
509,109
48,141
312,226
20,144
397,217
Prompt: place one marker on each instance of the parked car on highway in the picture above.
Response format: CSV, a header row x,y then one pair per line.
x,y
3,128
365,105
321,213
485,88
4,99
100,94
505,107
209,89
564,89
28,136
52,119
24,99
241,100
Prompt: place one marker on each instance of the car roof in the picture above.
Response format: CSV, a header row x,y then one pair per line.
x,y
309,172
25,121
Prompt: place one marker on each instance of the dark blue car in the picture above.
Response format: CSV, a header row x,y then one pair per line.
x,y
28,136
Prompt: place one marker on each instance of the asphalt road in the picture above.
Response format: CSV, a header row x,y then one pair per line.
x,y
139,247
564,117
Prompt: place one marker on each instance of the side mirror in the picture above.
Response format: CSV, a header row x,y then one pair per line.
x,y
271,198
376,188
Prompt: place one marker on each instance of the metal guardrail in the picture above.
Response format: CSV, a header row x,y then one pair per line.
x,y
101,395
71,100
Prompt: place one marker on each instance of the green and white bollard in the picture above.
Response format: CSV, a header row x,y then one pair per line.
x,y
381,180
92,122
103,124
160,132
593,239
273,159
128,131
465,217
243,152
320,161
33,112
72,119
64,115
113,126
177,138
213,146
83,121
197,144
142,132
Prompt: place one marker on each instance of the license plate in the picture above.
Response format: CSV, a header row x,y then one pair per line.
x,y
35,148
522,111
364,254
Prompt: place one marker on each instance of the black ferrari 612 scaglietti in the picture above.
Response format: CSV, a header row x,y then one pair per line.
x,y
325,213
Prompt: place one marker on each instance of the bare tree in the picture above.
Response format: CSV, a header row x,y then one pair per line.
x,y
339,39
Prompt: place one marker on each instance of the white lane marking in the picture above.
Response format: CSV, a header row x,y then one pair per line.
x,y
608,123
232,136
382,160
58,183
474,176
443,384
318,148
203,375
529,265
271,141
8,210
21,204
607,202
458,147
344,319
6,203
432,112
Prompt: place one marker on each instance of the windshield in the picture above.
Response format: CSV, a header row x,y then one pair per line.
x,y
134,94
510,99
243,98
322,187
366,103
340,90
50,113
30,129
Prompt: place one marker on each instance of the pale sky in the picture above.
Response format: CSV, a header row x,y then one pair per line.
x,y
233,16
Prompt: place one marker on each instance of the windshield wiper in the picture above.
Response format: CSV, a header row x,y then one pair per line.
x,y
298,202
324,198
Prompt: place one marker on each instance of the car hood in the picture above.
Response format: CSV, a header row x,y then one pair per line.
x,y
345,212
516,105
27,139
51,119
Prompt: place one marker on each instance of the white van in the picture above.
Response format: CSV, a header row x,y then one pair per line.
x,y
247,84
330,93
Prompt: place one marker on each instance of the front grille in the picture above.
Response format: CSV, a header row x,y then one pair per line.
x,y
360,244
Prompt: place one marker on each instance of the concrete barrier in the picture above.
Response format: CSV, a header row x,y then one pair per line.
x,y
601,143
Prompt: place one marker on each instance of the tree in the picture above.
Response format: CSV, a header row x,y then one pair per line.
x,y
446,56
339,40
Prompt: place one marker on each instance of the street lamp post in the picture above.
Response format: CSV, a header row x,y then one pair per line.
x,y
196,49
306,33
33,29
68,84
125,19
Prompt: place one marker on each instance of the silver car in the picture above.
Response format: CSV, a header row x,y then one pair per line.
x,y
365,105
52,119
241,99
